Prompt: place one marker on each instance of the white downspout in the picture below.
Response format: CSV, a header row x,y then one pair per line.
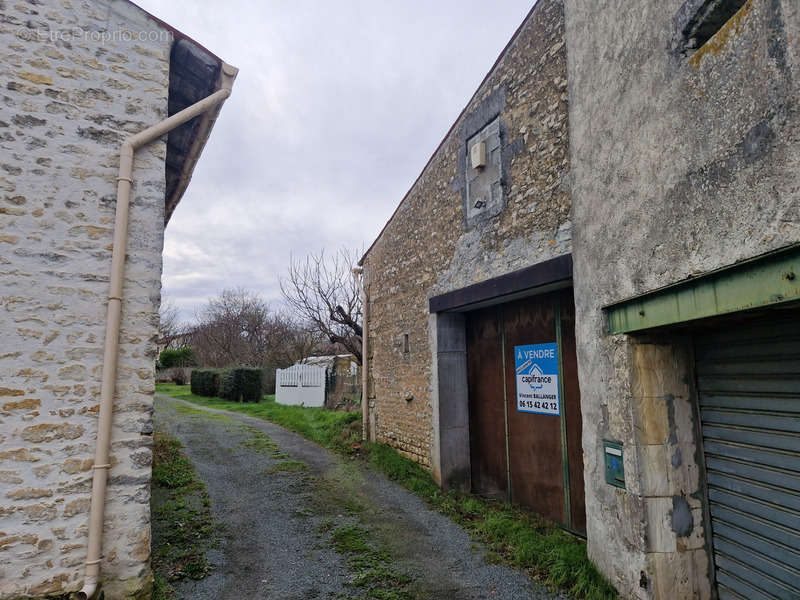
x,y
358,273
102,463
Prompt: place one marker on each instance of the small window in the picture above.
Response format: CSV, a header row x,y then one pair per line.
x,y
406,348
709,18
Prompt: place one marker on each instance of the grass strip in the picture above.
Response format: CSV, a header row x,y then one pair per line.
x,y
337,430
182,522
371,568
513,536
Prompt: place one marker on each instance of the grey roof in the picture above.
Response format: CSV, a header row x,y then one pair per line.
x,y
194,73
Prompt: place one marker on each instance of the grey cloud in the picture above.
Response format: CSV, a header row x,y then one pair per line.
x,y
336,110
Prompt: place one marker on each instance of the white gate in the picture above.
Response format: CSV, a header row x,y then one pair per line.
x,y
300,385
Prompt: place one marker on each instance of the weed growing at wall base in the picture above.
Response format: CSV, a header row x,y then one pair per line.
x,y
515,537
182,524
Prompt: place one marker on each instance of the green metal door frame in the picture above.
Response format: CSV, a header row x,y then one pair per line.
x,y
765,280
562,415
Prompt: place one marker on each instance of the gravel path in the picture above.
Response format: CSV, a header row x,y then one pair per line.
x,y
277,516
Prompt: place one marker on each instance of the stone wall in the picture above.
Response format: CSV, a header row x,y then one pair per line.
x,y
344,385
681,164
432,245
77,77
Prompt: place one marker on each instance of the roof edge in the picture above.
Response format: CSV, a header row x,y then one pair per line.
x,y
205,121
204,127
177,34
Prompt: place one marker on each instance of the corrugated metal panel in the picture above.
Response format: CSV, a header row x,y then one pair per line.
x,y
748,380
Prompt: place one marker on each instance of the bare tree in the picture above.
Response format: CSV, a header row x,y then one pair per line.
x,y
322,291
299,341
169,325
232,329
238,328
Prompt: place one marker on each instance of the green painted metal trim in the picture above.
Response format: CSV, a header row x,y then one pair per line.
x,y
765,280
563,416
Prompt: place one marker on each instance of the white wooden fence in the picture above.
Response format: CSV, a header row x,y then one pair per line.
x,y
300,385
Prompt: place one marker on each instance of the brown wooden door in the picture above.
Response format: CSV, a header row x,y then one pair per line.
x,y
534,442
486,412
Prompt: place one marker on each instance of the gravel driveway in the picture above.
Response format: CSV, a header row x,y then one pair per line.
x,y
281,500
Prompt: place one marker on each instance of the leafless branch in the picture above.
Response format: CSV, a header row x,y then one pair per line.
x,y
322,291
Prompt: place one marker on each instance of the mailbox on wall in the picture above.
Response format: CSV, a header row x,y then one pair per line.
x,y
615,470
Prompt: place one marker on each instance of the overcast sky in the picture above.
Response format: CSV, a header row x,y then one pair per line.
x,y
336,110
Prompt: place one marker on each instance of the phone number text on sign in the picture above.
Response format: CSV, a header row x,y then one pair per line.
x,y
536,368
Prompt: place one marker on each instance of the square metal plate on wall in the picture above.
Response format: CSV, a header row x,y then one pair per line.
x,y
615,470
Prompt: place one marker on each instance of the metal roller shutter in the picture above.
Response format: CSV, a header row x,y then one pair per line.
x,y
748,379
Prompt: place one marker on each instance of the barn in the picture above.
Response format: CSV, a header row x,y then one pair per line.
x,y
587,303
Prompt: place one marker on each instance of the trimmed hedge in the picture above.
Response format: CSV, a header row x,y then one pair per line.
x,y
205,382
251,382
228,390
238,384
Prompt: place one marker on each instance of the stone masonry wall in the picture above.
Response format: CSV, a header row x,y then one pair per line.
x,y
427,248
681,164
75,78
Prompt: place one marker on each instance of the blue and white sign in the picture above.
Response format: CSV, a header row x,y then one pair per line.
x,y
537,378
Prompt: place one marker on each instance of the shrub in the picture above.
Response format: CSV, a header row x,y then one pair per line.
x,y
250,383
194,381
212,382
236,384
206,382
182,357
228,388
241,384
178,375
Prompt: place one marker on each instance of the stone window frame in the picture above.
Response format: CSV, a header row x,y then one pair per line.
x,y
475,120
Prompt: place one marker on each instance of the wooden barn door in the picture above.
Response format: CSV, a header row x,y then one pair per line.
x,y
528,451
487,414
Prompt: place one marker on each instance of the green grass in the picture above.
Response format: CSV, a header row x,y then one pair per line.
x,y
514,537
371,568
260,442
287,466
162,590
182,522
338,431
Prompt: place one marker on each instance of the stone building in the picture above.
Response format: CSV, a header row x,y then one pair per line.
x,y
668,207
78,78
685,152
486,223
